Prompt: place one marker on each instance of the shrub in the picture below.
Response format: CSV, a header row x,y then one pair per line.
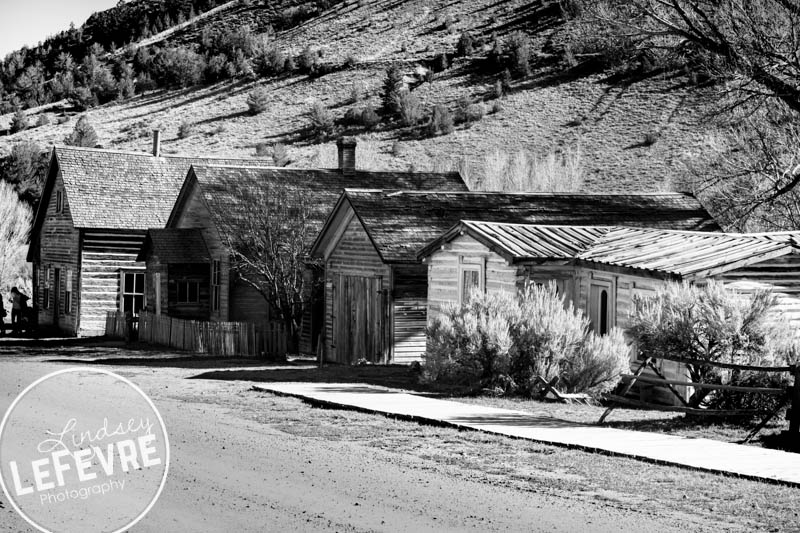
x,y
523,171
474,112
19,121
369,118
257,101
270,61
715,324
263,150
179,67
391,86
321,120
186,129
441,120
307,61
43,120
505,343
280,155
519,47
352,116
83,134
409,107
650,138
357,92
465,44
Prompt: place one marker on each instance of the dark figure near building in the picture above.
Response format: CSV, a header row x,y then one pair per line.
x,y
19,306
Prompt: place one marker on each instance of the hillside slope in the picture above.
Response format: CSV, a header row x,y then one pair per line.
x,y
635,136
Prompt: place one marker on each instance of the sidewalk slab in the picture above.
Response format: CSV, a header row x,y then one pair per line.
x,y
703,454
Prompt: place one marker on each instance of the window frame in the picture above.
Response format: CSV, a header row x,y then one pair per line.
x,y
123,293
46,289
68,291
216,284
59,201
188,283
465,267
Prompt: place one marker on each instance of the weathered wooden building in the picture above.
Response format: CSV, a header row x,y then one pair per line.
x,y
377,291
211,202
601,269
96,206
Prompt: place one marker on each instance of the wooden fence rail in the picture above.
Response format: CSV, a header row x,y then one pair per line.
x,y
790,395
213,338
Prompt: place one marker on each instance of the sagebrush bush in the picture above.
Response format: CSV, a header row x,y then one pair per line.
x,y
504,342
369,118
321,120
408,107
441,121
257,101
713,323
186,129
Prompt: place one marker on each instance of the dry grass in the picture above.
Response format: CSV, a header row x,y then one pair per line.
x,y
534,117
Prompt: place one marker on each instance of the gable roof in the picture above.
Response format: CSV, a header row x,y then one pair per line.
x,y
220,187
174,245
670,253
400,223
112,189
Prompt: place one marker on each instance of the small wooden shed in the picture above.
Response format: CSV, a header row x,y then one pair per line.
x,y
601,269
377,291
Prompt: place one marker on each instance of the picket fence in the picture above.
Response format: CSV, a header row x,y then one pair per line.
x,y
212,338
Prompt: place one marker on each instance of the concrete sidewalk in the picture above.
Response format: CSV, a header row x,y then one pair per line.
x,y
704,454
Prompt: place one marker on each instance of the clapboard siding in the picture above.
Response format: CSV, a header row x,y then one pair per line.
x,y
59,244
104,256
444,267
408,332
354,255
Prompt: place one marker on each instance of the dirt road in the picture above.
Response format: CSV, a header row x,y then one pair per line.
x,y
230,472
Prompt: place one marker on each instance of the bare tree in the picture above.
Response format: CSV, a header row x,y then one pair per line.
x,y
268,231
753,48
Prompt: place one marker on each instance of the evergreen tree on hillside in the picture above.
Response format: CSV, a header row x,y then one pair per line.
x,y
84,134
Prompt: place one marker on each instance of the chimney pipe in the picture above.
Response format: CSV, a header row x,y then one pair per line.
x,y
156,143
347,155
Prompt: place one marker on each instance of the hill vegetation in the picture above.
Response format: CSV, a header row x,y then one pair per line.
x,y
571,94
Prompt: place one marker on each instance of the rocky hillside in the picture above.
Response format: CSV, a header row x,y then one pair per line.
x,y
628,134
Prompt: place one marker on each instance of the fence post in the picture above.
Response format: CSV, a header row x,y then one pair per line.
x,y
794,414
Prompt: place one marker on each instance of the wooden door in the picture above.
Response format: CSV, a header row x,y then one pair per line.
x,y
600,306
360,319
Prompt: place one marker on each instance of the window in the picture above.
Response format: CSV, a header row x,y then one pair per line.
x,y
470,276
216,271
46,287
59,201
132,292
68,292
188,292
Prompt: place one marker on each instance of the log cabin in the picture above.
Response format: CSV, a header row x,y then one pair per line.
x,y
377,291
89,227
601,269
211,202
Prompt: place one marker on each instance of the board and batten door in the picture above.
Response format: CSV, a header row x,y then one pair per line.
x,y
600,307
359,319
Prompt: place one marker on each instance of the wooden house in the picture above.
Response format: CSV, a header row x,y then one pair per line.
x,y
210,202
377,291
601,269
95,209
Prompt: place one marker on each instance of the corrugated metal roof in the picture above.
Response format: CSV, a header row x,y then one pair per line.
x,y
679,253
685,254
528,241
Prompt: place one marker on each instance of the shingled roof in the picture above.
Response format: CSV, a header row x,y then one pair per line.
x,y
221,186
175,245
400,223
112,189
664,253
